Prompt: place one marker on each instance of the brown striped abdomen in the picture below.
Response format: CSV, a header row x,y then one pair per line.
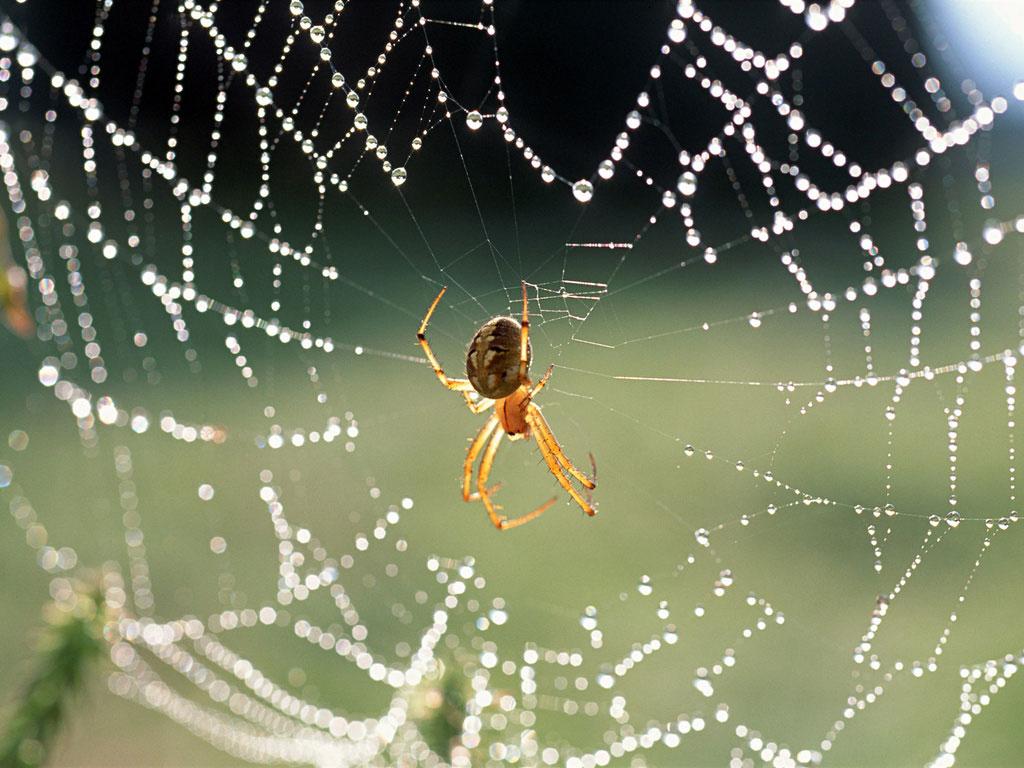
x,y
492,360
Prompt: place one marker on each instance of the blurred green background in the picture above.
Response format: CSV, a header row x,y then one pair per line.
x,y
460,225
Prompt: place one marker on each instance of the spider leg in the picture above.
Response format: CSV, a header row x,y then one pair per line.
x,y
499,522
543,381
474,451
549,450
515,522
456,385
480,405
485,471
542,426
524,342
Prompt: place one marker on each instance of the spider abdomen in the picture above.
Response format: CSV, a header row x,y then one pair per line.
x,y
492,361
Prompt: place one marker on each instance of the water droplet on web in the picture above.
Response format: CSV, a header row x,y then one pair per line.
x,y
264,97
359,121
317,34
206,491
702,537
501,115
6,474
606,169
645,587
547,174
583,190
337,80
352,99
18,440
239,62
398,176
687,184
296,8
474,120
953,518
689,450
668,198
772,509
934,520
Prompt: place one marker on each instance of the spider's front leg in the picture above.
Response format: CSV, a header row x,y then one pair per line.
x,y
461,386
524,343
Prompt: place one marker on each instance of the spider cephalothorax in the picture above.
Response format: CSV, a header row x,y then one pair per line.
x,y
497,368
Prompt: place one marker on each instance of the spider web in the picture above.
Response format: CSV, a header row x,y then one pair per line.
x,y
765,323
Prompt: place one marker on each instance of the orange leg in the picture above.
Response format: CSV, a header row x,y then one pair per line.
x,y
524,342
523,519
502,523
542,426
456,385
485,471
547,451
543,381
474,451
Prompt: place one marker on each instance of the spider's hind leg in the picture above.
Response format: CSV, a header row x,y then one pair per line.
x,y
485,471
471,454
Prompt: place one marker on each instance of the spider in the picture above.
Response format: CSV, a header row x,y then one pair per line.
x,y
497,365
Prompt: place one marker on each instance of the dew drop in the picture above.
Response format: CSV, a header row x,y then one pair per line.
x,y
687,184
645,587
398,176
264,97
583,190
474,120
18,439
